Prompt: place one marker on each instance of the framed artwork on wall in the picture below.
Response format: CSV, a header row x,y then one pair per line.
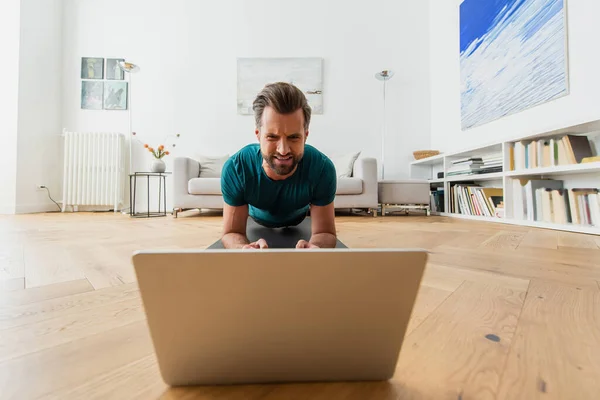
x,y
91,95
513,56
113,71
92,68
115,95
254,73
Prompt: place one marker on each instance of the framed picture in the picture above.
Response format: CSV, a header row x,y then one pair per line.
x,y
91,95
513,56
115,95
113,71
254,73
92,68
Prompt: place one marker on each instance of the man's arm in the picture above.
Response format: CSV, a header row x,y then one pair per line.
x,y
235,208
234,229
322,209
234,226
323,226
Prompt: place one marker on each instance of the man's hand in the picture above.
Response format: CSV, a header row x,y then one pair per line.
x,y
303,244
259,244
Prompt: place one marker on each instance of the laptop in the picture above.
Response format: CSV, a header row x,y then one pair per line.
x,y
221,317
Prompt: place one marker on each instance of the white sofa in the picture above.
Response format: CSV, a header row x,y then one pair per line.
x,y
193,191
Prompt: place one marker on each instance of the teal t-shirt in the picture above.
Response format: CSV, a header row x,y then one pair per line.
x,y
278,202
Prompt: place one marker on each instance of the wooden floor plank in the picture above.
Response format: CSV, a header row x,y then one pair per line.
x,y
25,339
48,263
577,257
504,240
570,239
103,268
80,361
556,350
440,277
517,265
540,239
324,391
428,299
450,278
136,380
459,351
12,264
13,316
47,292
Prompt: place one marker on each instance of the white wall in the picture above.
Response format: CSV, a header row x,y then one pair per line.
x,y
187,52
40,77
581,105
9,70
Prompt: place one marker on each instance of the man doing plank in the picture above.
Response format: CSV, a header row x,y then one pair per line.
x,y
279,179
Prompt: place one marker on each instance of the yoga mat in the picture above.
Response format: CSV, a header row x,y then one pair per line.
x,y
277,238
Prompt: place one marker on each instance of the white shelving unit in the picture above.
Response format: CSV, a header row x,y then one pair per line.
x,y
573,175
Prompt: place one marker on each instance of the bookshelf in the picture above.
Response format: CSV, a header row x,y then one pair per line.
x,y
537,180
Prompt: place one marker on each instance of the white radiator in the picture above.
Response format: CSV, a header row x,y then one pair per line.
x,y
94,169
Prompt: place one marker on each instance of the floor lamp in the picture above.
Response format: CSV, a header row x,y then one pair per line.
x,y
129,68
384,76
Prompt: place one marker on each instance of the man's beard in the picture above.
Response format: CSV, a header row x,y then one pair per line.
x,y
282,169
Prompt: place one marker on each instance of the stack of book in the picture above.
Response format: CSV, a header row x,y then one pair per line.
x,y
465,166
547,200
486,164
550,152
477,200
491,163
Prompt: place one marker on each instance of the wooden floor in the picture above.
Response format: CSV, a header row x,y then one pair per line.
x,y
504,312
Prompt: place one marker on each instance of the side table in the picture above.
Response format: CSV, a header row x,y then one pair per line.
x,y
162,194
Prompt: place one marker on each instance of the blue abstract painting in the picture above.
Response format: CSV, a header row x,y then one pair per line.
x,y
513,56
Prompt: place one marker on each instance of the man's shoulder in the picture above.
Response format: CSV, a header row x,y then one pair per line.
x,y
247,153
244,158
319,162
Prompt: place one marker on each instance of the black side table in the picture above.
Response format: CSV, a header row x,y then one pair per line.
x,y
162,192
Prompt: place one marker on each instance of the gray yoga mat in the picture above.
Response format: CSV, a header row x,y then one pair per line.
x,y
277,238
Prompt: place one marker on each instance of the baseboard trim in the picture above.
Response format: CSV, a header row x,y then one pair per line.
x,y
35,208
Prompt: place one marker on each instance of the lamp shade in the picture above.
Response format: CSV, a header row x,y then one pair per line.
x,y
384,75
128,67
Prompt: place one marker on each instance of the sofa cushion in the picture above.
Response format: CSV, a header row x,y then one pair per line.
x,y
205,186
349,186
211,167
344,164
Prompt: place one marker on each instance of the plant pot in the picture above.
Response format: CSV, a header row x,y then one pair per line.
x,y
158,165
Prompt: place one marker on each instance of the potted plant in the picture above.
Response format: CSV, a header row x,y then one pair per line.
x,y
158,165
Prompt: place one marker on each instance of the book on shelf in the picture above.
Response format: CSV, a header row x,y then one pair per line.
x,y
549,152
437,199
547,200
486,164
472,199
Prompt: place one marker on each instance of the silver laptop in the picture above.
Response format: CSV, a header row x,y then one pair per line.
x,y
278,315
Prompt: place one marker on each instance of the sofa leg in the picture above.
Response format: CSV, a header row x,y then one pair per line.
x,y
176,211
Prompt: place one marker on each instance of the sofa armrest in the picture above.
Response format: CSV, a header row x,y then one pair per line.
x,y
365,168
184,169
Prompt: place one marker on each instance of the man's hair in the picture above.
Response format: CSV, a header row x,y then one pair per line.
x,y
285,98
